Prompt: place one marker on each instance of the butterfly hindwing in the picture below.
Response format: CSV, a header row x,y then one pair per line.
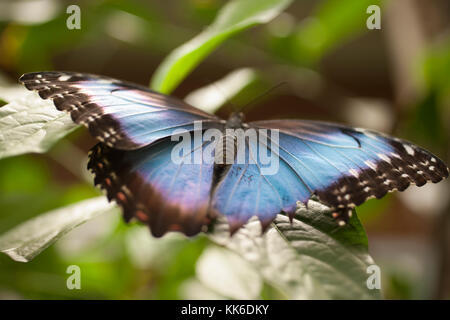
x,y
120,114
151,187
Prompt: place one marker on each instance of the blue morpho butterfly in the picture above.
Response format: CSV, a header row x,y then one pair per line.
x,y
341,166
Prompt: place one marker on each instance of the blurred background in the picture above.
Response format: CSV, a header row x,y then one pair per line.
x,y
396,80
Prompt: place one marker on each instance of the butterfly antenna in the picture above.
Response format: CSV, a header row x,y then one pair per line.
x,y
258,98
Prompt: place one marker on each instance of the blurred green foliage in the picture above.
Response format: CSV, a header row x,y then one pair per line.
x,y
32,184
331,23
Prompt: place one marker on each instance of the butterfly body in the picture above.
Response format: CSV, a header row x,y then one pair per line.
x,y
342,166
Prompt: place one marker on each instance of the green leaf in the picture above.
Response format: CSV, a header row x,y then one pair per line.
x,y
211,97
30,238
29,123
331,25
234,17
227,274
311,258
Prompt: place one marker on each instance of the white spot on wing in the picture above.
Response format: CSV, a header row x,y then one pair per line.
x,y
354,173
64,77
370,164
409,150
383,157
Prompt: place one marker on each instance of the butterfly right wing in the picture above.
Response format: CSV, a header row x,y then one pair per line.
x,y
346,166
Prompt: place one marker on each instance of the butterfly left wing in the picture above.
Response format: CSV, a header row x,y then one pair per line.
x,y
149,185
345,166
120,114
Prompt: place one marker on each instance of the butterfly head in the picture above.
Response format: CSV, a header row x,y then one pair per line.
x,y
235,120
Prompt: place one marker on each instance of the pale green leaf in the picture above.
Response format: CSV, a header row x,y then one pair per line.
x,y
228,274
30,238
29,123
234,17
211,97
312,258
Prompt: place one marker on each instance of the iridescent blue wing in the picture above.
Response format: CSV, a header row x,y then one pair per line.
x,y
247,190
345,166
150,186
120,114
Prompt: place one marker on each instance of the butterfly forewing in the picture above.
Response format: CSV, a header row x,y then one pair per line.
x,y
120,114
